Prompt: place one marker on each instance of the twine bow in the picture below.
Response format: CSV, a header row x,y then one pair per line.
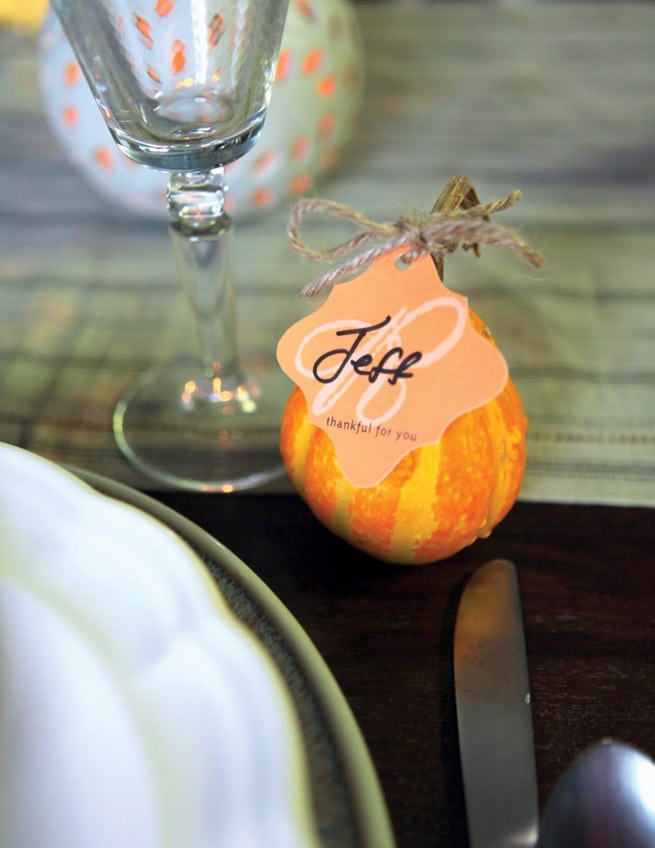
x,y
458,218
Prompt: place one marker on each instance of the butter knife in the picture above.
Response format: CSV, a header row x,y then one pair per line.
x,y
494,717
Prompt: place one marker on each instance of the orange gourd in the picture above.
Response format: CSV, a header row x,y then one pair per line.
x,y
440,497
436,501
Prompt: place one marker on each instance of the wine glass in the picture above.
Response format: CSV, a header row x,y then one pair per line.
x,y
183,86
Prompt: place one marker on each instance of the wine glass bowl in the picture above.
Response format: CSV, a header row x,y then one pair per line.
x,y
184,86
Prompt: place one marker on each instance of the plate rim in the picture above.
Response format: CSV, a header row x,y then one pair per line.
x,y
370,810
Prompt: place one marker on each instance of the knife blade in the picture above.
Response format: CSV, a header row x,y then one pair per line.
x,y
494,717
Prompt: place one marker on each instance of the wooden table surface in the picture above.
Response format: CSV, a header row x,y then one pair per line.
x,y
552,98
586,576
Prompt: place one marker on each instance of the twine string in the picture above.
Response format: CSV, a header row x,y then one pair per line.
x,y
437,233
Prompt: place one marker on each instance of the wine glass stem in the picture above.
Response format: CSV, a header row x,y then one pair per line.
x,y
201,234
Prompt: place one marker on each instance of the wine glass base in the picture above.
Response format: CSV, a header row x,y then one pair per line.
x,y
190,431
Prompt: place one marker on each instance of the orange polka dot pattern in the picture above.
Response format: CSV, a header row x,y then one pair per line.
x,y
313,112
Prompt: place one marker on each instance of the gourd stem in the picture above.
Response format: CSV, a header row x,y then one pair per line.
x,y
458,193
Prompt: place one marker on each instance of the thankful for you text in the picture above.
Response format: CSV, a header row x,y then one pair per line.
x,y
371,429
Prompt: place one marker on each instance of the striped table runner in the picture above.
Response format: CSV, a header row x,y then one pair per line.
x,y
513,96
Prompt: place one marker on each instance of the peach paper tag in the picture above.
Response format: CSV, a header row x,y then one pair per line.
x,y
387,362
